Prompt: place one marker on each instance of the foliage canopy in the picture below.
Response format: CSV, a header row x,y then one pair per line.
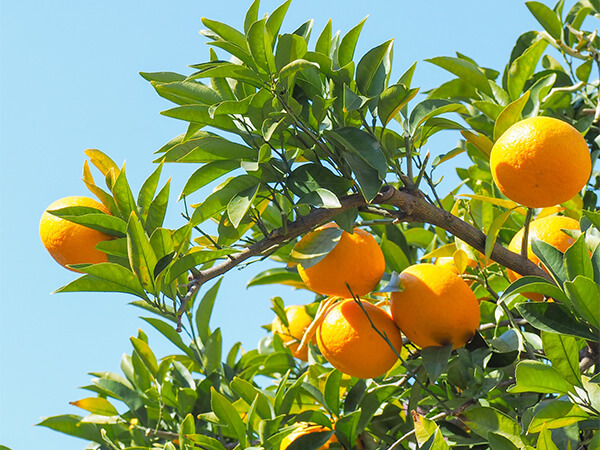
x,y
300,132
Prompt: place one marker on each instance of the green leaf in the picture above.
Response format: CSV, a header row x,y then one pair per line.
x,y
577,260
207,442
206,147
323,44
105,277
204,311
436,442
392,100
345,51
222,195
535,376
309,177
251,394
465,70
123,195
551,257
141,254
71,425
431,108
260,45
584,296
296,66
547,18
510,115
275,19
534,285
170,333
206,174
315,246
395,258
545,440
92,218
187,93
371,71
553,317
435,360
121,389
145,354
227,70
240,203
563,353
158,209
321,198
492,235
148,189
96,405
225,31
280,275
212,352
227,414
331,391
483,420
230,107
290,48
523,67
251,15
162,77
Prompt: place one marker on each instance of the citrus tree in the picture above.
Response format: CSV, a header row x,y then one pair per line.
x,y
468,318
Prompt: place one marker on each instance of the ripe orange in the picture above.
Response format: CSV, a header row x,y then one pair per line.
x,y
356,260
298,320
304,429
347,340
436,307
68,242
547,229
540,161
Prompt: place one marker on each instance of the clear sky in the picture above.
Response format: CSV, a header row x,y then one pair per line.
x,y
69,81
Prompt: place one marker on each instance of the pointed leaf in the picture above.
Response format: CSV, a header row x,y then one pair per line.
x,y
315,246
145,354
553,317
535,376
563,353
584,295
96,405
227,414
148,189
204,311
105,277
435,360
280,275
348,44
92,218
523,67
141,254
370,79
240,203
547,18
465,71
207,174
392,100
510,115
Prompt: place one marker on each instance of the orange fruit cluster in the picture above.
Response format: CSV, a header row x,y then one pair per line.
x,y
363,340
68,242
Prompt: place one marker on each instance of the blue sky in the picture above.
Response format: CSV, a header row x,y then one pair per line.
x,y
69,81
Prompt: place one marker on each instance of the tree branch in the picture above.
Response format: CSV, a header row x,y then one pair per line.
x,y
411,206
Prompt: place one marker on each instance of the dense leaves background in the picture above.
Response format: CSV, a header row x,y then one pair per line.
x,y
151,262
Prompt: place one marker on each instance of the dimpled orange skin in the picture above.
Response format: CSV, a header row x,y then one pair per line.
x,y
436,307
356,260
347,340
540,162
547,229
68,242
298,321
306,429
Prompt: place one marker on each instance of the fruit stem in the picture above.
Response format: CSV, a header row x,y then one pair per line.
x,y
525,240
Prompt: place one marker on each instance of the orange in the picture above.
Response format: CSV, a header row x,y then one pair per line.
x,y
68,242
347,340
356,260
304,429
540,161
298,321
547,229
435,308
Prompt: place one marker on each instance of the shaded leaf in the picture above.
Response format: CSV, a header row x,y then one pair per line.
x,y
465,70
315,246
553,317
280,275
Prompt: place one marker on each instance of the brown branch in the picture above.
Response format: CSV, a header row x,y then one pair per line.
x,y
411,207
